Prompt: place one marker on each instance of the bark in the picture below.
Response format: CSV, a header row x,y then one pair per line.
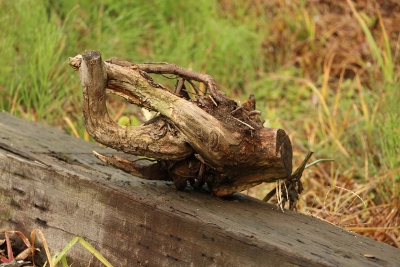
x,y
208,139
151,141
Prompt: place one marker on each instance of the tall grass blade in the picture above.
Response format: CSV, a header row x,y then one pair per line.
x,y
92,250
385,62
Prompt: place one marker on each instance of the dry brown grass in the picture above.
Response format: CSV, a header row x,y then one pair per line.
x,y
356,192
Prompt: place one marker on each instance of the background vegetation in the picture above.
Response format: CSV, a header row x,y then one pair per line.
x,y
325,71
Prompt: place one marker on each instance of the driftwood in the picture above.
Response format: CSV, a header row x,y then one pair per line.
x,y
207,139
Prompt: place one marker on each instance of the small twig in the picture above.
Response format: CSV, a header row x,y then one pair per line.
x,y
279,194
294,177
172,77
179,86
218,95
215,103
254,112
236,109
287,192
197,90
270,195
200,158
297,174
242,122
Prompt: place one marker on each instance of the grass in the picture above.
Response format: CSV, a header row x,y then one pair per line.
x,y
326,73
61,256
30,251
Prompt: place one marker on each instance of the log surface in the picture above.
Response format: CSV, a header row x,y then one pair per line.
x,y
51,181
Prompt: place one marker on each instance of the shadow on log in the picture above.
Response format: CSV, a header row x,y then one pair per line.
x,y
207,139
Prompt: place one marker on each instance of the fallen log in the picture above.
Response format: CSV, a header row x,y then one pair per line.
x,y
51,181
205,139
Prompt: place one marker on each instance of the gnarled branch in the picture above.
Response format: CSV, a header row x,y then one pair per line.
x,y
208,139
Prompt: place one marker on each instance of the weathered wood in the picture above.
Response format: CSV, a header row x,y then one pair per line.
x,y
51,181
142,140
198,140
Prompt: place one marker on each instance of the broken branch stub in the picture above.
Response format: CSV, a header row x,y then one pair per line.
x,y
204,139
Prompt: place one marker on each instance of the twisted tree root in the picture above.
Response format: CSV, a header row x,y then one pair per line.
x,y
207,139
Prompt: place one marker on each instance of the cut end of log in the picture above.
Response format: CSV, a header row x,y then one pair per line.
x,y
278,151
284,149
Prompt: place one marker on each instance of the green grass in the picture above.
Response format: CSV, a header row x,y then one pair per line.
x,y
281,51
59,257
32,51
